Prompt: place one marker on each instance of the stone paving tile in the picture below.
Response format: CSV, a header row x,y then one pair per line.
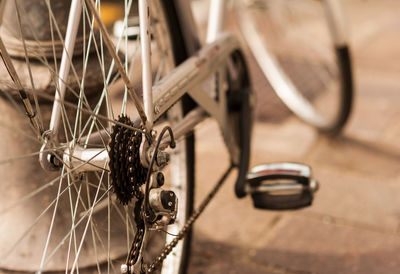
x,y
316,247
369,161
225,211
375,40
377,102
224,257
357,200
366,18
289,141
391,134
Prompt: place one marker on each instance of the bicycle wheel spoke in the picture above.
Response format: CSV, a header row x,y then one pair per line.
x,y
82,225
91,221
52,69
12,129
37,106
22,113
40,189
73,208
26,232
108,226
20,157
98,116
55,73
74,227
51,224
118,63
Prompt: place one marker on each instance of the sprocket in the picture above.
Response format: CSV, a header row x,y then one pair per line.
x,y
127,172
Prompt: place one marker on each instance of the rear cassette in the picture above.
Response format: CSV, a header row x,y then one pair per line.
x,y
127,173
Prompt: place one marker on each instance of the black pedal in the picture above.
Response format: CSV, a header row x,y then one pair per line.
x,y
281,186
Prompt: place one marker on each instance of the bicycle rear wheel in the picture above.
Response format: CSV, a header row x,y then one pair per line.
x,y
294,46
65,220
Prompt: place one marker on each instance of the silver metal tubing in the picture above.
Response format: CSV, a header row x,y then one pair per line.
x,y
186,76
185,126
96,158
70,37
144,17
336,21
216,19
192,72
97,137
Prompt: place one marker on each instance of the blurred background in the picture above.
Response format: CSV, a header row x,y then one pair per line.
x,y
353,225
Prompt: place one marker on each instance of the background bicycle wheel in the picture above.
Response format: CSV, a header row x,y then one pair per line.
x,y
306,69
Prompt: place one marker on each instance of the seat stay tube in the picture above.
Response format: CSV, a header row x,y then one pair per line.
x,y
144,17
70,38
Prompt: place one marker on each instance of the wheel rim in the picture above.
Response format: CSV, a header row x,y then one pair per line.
x,y
301,63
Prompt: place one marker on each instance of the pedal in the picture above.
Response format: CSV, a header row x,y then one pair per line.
x,y
281,186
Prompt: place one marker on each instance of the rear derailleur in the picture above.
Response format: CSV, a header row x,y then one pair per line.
x,y
135,169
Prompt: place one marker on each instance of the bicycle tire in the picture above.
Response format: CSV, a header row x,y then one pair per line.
x,y
181,53
302,69
19,219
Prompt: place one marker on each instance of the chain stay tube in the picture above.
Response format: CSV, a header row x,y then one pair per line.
x,y
192,72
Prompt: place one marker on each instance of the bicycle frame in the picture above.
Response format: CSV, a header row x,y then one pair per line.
x,y
187,78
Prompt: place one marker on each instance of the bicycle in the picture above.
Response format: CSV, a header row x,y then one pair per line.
x,y
96,201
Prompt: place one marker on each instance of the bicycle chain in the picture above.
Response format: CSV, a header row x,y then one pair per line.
x,y
189,223
136,245
128,175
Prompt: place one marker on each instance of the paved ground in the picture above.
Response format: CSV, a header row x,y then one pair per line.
x,y
354,224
